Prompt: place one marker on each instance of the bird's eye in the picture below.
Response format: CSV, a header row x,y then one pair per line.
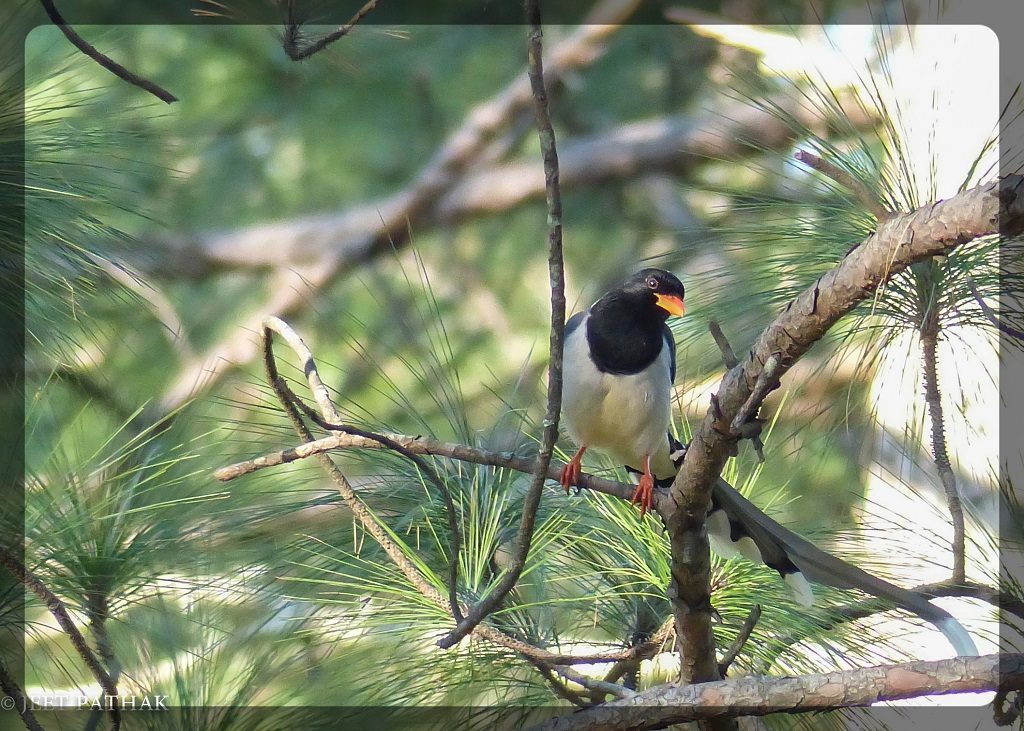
x,y
652,283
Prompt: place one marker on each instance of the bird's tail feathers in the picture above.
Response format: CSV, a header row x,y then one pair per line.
x,y
798,560
738,527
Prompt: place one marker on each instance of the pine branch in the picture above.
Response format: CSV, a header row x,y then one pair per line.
x,y
421,445
928,335
759,696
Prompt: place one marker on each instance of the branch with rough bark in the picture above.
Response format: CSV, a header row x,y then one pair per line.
x,y
11,688
900,241
758,696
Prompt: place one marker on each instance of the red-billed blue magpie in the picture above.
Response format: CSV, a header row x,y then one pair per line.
x,y
618,369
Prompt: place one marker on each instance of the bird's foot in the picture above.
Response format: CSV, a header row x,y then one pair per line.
x,y
644,493
571,472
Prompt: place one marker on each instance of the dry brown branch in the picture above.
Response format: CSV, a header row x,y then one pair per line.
x,y
758,696
728,355
56,607
420,445
864,196
674,144
741,639
900,241
105,61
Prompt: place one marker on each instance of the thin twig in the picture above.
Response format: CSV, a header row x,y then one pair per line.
x,y
56,607
599,687
105,61
728,355
868,607
558,685
655,643
741,639
766,381
991,315
828,169
292,38
10,686
556,274
929,340
420,445
329,418
426,469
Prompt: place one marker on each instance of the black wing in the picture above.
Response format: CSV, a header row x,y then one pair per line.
x,y
670,341
574,322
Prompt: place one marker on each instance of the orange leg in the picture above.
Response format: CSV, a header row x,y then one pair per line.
x,y
644,493
571,472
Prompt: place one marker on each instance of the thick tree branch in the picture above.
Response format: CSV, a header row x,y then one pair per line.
x,y
105,61
675,144
556,276
758,696
900,241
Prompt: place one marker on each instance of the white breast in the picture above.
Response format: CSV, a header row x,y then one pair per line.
x,y
625,416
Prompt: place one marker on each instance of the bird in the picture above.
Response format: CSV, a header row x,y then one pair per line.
x,y
618,367
618,373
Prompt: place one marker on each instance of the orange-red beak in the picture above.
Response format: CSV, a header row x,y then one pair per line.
x,y
671,304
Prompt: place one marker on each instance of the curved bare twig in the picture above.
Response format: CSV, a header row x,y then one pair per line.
x,y
105,61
